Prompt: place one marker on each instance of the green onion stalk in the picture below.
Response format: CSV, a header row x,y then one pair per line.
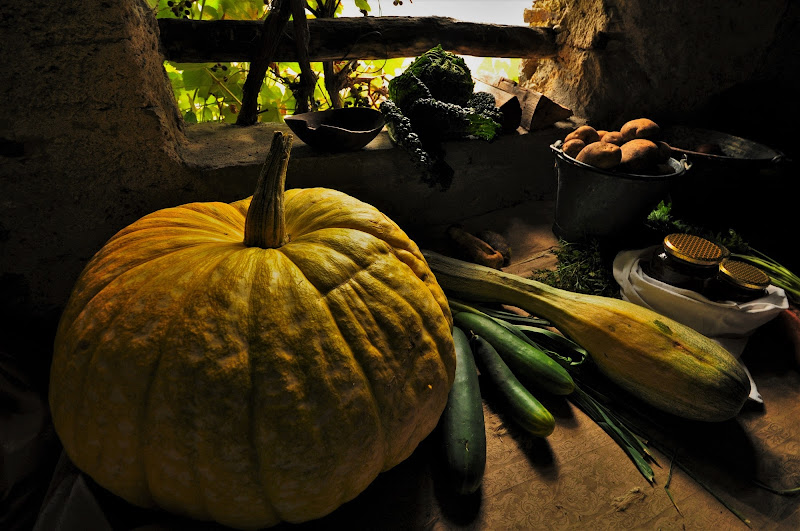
x,y
779,275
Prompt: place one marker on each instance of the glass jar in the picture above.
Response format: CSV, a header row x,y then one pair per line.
x,y
685,261
737,281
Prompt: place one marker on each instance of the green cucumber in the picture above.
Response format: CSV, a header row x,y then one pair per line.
x,y
531,365
462,425
524,408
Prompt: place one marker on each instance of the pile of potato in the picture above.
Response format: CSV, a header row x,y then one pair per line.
x,y
635,148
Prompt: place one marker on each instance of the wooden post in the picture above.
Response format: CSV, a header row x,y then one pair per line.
x,y
308,80
273,26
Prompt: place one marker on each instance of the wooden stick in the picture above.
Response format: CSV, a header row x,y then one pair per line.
x,y
308,80
261,57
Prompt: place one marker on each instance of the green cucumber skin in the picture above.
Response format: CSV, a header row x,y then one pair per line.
x,y
530,364
462,423
524,408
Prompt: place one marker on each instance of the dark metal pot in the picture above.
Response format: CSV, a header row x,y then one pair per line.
x,y
606,204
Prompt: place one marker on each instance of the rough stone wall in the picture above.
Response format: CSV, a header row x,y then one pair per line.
x,y
89,135
623,59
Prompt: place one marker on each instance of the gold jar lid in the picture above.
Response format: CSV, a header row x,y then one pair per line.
x,y
743,274
693,249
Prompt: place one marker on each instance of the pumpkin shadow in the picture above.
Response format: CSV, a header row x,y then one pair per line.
x,y
398,499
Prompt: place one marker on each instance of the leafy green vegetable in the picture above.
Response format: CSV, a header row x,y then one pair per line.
x,y
484,103
433,100
445,75
402,134
434,120
406,89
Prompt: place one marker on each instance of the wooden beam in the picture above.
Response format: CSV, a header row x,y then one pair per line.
x,y
369,38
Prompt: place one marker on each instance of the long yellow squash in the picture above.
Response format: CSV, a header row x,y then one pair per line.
x,y
666,364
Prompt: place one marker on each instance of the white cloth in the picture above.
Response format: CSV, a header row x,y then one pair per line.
x,y
728,323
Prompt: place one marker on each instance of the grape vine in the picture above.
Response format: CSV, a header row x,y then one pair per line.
x,y
213,91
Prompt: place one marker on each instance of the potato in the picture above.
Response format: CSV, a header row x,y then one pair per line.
x,y
601,133
639,155
640,128
613,137
587,133
573,147
600,155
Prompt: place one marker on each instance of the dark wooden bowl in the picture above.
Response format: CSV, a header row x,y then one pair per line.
x,y
334,130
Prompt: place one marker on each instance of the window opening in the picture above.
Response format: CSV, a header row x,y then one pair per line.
x,y
213,91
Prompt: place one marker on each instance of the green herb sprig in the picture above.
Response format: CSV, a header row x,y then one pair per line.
x,y
582,267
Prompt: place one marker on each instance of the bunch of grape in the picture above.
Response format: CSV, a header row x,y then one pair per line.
x,y
181,9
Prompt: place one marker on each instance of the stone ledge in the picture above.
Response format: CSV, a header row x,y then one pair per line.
x,y
514,169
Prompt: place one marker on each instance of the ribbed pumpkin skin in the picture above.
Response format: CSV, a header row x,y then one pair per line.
x,y
244,385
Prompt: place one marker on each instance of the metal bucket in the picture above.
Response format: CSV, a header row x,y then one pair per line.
x,y
604,204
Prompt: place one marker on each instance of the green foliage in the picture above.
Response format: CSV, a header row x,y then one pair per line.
x,y
363,6
206,92
210,9
493,67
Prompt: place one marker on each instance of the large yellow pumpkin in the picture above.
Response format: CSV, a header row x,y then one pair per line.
x,y
252,383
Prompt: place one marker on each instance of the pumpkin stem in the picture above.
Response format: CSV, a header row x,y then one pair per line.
x,y
264,226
